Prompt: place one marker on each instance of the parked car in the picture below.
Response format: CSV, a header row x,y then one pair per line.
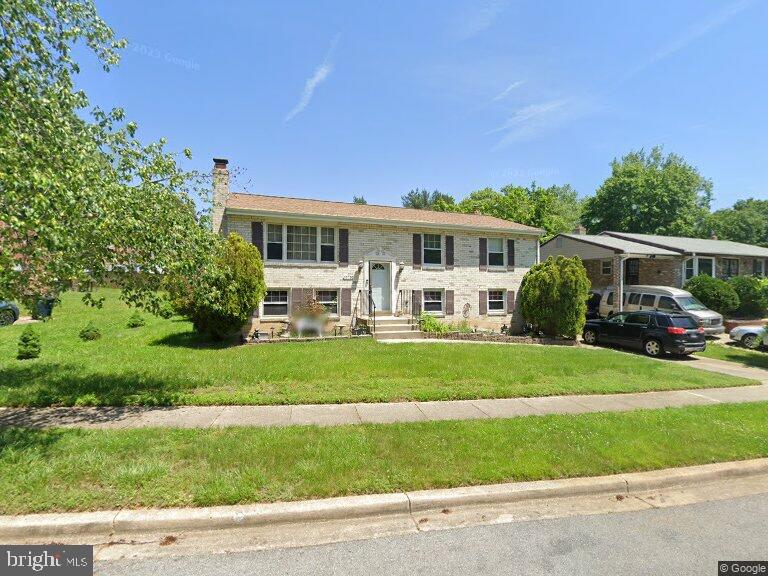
x,y
652,332
750,336
9,313
666,299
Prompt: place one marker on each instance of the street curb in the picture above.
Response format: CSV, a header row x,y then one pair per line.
x,y
116,522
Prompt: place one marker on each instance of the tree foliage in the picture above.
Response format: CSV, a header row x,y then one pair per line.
x,y
359,200
82,198
29,344
650,193
220,298
553,296
424,200
753,296
746,221
714,293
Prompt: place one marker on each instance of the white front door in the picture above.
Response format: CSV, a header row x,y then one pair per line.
x,y
380,287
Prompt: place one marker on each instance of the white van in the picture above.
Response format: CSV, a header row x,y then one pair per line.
x,y
664,299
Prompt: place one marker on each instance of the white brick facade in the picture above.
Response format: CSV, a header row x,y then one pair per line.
x,y
393,246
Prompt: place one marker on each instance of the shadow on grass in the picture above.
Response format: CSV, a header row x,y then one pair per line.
x,y
192,339
22,440
739,355
48,384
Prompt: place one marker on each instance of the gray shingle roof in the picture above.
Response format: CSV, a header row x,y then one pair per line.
x,y
683,245
624,246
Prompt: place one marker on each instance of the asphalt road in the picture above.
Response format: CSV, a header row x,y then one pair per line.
x,y
678,540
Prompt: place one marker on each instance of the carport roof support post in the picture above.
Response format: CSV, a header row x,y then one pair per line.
x,y
618,282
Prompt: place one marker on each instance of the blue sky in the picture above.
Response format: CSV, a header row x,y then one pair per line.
x,y
334,99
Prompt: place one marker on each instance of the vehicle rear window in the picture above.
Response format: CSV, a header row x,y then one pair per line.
x,y
647,300
683,322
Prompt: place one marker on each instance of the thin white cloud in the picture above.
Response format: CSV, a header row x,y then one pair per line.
x,y
320,75
479,17
506,92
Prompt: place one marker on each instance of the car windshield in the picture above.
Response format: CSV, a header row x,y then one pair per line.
x,y
690,303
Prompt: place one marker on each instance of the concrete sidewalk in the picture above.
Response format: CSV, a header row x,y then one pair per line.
x,y
359,413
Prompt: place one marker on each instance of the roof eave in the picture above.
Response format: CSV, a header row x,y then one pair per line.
x,y
535,232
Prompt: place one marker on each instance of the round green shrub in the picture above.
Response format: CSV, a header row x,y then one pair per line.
x,y
714,293
136,321
29,344
753,297
90,332
553,296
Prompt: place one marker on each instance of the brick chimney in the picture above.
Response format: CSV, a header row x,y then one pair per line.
x,y
220,192
580,230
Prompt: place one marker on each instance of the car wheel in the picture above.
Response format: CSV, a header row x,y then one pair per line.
x,y
590,337
653,348
750,341
7,317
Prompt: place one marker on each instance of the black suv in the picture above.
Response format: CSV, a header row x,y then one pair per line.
x,y
653,332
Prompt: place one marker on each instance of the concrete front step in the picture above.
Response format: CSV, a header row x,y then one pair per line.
x,y
390,321
395,328
398,335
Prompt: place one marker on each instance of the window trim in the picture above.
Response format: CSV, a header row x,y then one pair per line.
x,y
738,267
287,291
441,291
610,267
318,244
763,265
503,253
496,312
424,249
695,267
337,302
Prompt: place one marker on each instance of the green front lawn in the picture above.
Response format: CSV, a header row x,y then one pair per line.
x,y
164,362
72,469
733,353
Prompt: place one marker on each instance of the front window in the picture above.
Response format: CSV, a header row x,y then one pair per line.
x,y
330,300
327,245
495,252
433,249
496,300
618,318
759,268
276,303
302,243
667,303
699,267
730,267
274,242
433,301
607,267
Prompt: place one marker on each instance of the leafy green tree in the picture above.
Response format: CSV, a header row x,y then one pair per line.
x,y
714,293
359,200
650,193
222,296
82,198
746,221
424,200
553,296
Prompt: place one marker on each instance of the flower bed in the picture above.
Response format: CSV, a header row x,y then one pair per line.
x,y
493,337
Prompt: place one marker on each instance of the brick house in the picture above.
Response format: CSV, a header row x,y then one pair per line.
x,y
618,258
360,260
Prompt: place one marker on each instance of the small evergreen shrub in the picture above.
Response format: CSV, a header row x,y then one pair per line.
x,y
136,320
753,296
90,332
714,293
167,310
29,344
553,296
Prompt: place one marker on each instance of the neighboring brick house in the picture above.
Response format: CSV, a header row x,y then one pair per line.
x,y
618,258
457,266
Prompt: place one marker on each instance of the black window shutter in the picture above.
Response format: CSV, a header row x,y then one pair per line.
x,y
343,246
417,250
346,302
449,302
257,236
483,253
297,299
416,301
510,301
449,252
510,253
483,305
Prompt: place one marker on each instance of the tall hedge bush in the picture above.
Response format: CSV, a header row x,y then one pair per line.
x,y
553,296
753,296
220,300
714,293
